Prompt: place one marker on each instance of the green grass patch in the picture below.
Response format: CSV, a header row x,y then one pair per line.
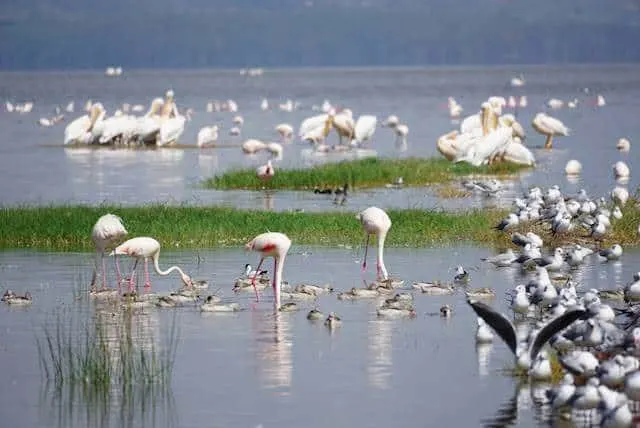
x,y
68,228
361,173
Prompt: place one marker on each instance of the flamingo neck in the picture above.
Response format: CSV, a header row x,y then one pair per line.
x,y
156,256
381,266
277,278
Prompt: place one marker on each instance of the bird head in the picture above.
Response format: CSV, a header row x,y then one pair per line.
x,y
186,279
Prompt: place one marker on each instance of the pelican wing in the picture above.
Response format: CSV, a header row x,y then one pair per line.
x,y
555,326
76,129
171,130
365,127
546,124
517,153
470,123
498,322
311,123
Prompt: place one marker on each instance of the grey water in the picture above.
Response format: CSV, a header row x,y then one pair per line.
x,y
255,369
36,169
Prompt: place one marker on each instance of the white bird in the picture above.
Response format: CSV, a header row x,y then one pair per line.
x,y
620,196
612,253
520,302
621,170
502,260
145,248
264,104
623,145
252,146
276,245
275,149
107,231
80,130
391,122
561,395
549,127
375,221
238,120
517,81
573,167
265,172
285,131
555,103
364,129
525,355
483,332
207,136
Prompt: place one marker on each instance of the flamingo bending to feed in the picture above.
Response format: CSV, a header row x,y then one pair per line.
x,y
375,221
107,231
146,248
265,172
271,244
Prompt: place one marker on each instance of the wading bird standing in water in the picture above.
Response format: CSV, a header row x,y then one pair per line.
x,y
145,248
375,221
271,244
107,231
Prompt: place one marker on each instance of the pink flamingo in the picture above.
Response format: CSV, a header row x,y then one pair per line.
x,y
375,221
276,245
146,248
265,172
107,231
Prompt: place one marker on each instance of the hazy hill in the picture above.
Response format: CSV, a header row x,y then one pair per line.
x,y
236,33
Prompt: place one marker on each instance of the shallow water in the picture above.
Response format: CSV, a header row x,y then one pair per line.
x,y
35,168
255,369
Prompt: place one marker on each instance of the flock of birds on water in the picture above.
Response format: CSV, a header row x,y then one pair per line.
x,y
593,335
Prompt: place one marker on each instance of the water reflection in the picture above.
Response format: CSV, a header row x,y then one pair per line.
x,y
274,344
483,352
380,353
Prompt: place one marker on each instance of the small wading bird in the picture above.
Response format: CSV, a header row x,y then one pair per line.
x,y
271,244
375,222
146,248
107,231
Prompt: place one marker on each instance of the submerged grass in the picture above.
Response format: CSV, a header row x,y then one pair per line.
x,y
103,354
361,173
68,228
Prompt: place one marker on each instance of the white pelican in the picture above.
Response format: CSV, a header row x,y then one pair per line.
x,y
119,126
311,124
391,122
238,120
549,126
509,120
364,129
555,103
10,108
207,136
79,131
487,146
518,153
253,146
497,104
621,170
148,126
623,145
517,81
172,122
43,121
343,123
600,102
264,105
285,130
235,131
573,167
275,149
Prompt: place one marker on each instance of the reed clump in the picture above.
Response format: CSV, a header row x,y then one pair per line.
x,y
362,173
103,354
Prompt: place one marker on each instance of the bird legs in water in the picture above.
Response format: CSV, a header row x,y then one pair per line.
x,y
549,142
253,279
364,260
147,280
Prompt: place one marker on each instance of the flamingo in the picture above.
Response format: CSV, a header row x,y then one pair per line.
x,y
549,126
286,131
145,248
275,149
107,231
265,172
402,131
276,245
207,136
375,221
252,146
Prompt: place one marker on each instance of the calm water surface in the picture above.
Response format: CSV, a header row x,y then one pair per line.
x,y
254,369
35,168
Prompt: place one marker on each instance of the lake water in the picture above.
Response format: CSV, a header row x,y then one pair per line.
x,y
35,168
253,369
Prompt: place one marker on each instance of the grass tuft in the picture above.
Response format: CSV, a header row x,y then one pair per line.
x,y
363,173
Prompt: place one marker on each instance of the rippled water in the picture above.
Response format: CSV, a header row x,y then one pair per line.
x,y
255,369
35,168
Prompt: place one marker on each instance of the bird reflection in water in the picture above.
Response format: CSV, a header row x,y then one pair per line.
x,y
483,351
380,353
268,200
126,335
274,344
208,163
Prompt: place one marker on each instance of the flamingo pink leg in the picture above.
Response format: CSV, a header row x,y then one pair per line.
x,y
133,273
379,270
253,280
147,280
118,270
104,272
364,260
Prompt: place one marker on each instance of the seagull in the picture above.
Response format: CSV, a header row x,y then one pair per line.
x,y
502,260
612,253
461,275
505,329
509,222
